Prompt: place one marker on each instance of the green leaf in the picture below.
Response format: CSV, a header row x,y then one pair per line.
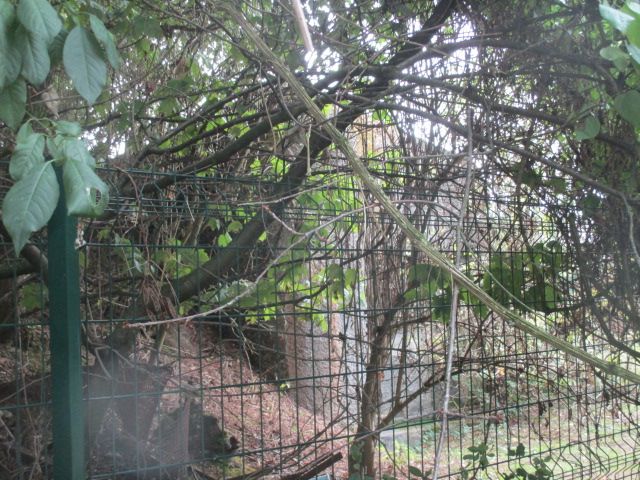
x,y
295,59
83,62
234,226
224,239
633,7
29,204
614,54
627,104
633,32
618,19
25,132
590,129
13,101
424,273
10,65
418,272
182,85
39,18
355,453
73,129
10,61
633,51
106,38
334,272
33,296
147,26
56,47
26,156
82,187
35,56
350,276
168,107
53,148
7,15
415,471
75,149
590,203
559,184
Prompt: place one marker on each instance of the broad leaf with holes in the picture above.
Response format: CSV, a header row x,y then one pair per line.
x,y
86,194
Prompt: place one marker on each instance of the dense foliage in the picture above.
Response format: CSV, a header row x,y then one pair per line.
x,y
543,95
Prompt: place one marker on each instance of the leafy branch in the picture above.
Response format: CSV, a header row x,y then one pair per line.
x,y
31,34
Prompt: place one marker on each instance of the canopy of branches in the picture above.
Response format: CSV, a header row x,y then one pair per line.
x,y
543,94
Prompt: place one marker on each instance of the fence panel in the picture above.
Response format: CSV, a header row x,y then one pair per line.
x,y
318,350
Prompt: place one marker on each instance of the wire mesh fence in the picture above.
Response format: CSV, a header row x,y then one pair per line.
x,y
320,347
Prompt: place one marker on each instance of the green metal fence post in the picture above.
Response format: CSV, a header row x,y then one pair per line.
x,y
66,366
